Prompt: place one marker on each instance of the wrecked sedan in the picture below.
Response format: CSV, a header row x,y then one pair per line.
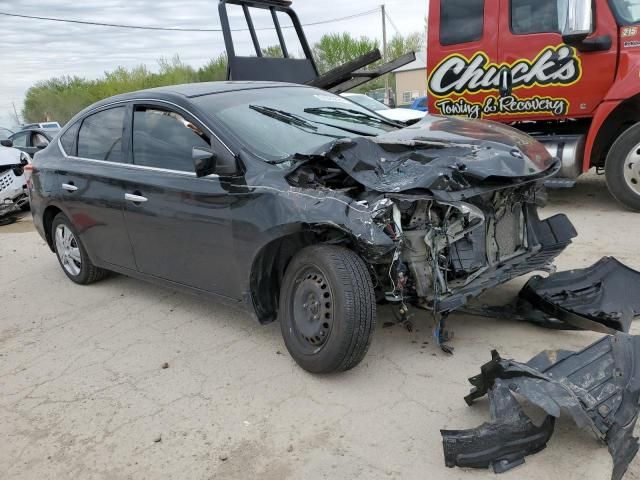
x,y
297,203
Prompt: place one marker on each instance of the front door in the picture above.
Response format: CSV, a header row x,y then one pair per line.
x,y
179,225
462,53
551,79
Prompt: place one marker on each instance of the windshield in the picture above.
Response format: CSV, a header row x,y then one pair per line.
x,y
367,102
278,123
627,11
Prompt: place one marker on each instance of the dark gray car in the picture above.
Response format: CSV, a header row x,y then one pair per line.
x,y
296,203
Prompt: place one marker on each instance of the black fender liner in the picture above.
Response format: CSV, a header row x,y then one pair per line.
x,y
599,387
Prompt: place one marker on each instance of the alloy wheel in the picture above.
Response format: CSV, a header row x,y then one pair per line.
x,y
68,250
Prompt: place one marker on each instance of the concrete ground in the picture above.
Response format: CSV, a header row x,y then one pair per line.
x,y
83,391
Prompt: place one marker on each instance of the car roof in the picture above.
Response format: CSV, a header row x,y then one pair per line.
x,y
191,90
180,93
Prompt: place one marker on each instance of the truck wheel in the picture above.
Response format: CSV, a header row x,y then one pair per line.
x,y
327,309
71,253
623,168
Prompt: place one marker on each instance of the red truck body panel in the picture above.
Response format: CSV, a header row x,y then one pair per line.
x,y
552,81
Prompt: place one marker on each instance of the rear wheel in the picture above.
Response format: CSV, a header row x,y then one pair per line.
x,y
327,309
623,169
71,253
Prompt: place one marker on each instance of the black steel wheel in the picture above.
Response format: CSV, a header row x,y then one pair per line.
x,y
327,309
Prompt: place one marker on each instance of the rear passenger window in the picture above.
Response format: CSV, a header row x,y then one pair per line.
x,y
165,139
461,21
68,140
100,136
537,16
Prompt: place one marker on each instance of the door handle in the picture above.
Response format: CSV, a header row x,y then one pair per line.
x,y
506,82
135,198
69,187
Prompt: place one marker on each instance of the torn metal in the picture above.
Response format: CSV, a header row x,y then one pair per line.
x,y
598,387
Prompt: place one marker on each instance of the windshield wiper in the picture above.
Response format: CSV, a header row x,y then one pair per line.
x,y
303,123
285,117
347,114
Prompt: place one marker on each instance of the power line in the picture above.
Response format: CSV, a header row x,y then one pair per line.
x,y
177,29
392,24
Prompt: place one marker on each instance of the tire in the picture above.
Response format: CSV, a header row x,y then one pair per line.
x,y
82,271
622,169
327,309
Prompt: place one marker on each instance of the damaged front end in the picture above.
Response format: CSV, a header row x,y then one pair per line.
x,y
598,387
459,200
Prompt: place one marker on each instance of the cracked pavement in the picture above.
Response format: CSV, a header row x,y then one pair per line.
x,y
83,391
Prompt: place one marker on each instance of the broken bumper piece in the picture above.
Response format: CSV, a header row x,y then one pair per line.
x,y
599,387
604,298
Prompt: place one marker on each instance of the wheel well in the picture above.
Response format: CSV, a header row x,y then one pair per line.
x,y
624,116
47,220
270,264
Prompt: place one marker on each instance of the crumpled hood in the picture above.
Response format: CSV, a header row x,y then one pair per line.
x,y
441,153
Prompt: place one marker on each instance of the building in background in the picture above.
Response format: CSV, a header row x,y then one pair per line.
x,y
411,80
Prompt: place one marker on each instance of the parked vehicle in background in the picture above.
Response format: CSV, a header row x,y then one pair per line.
x,y
32,140
13,185
303,207
421,104
564,71
5,133
42,126
403,115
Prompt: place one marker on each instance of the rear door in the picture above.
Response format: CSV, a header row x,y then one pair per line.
x,y
462,56
179,225
92,188
551,79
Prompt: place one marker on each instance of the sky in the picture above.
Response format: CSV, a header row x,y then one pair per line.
x,y
33,50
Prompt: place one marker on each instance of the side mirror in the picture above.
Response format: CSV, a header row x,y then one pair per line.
x,y
6,143
579,24
42,145
204,161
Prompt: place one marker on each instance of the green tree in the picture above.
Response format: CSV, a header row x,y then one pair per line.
x,y
335,49
61,98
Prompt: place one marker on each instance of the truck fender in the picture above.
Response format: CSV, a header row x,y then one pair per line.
x,y
602,113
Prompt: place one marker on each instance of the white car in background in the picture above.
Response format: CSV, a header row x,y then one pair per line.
x,y
13,184
404,115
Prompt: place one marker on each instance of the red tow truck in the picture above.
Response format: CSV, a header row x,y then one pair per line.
x,y
565,71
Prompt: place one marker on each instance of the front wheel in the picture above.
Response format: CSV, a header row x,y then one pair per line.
x,y
623,168
327,309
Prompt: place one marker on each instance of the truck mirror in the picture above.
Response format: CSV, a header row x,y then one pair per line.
x,y
579,21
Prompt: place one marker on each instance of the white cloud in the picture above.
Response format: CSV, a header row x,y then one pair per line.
x,y
37,50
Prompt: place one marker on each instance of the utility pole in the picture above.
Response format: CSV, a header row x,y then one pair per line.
x,y
384,52
15,112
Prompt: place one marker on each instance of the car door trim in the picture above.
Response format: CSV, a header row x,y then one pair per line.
x,y
132,166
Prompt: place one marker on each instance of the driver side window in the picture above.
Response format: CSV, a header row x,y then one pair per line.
x,y
100,136
165,139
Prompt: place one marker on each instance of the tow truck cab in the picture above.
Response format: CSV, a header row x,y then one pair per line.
x,y
564,71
